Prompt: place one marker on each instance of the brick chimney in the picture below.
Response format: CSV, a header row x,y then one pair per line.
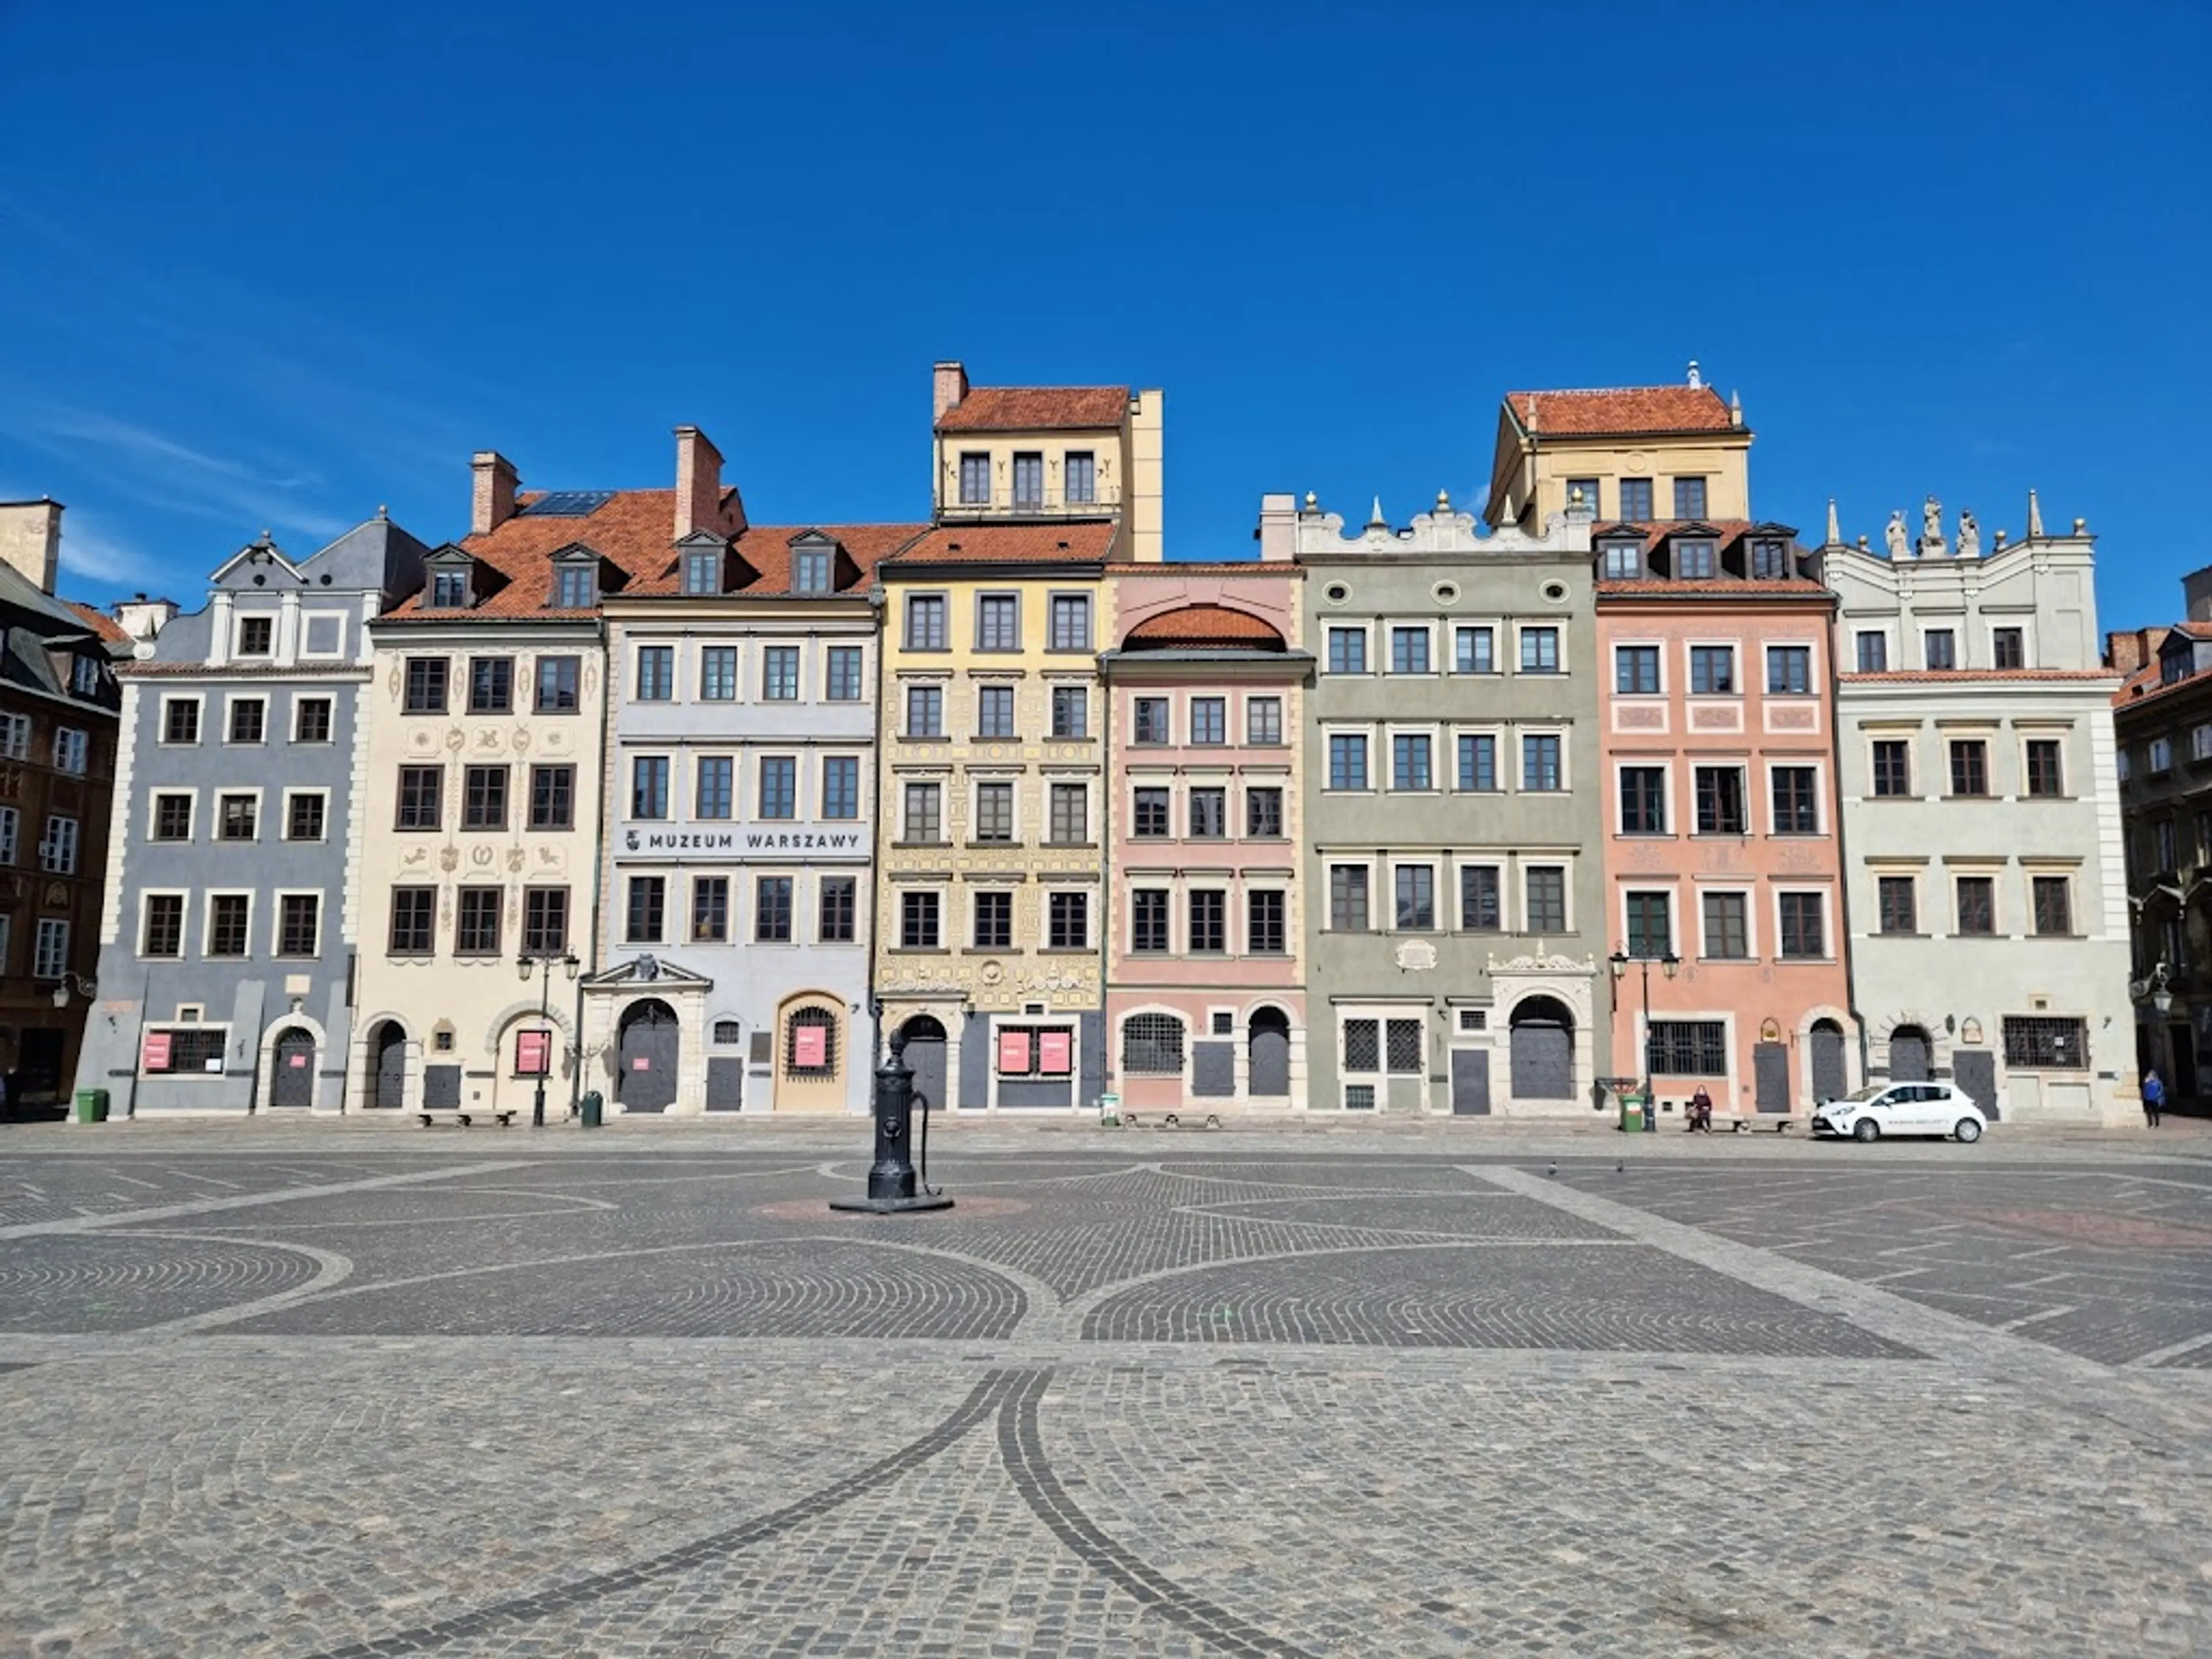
x,y
950,384
495,482
2127,652
31,539
698,482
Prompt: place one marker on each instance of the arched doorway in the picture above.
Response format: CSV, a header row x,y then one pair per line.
x,y
925,1055
1832,1077
810,1070
293,1085
1268,1072
645,1075
1543,1037
388,1047
1909,1051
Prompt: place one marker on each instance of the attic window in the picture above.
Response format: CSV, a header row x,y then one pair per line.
x,y
449,590
1694,559
2173,666
1624,561
1770,560
575,587
84,677
702,572
810,571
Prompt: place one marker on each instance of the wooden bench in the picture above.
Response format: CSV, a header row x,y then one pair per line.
x,y
462,1118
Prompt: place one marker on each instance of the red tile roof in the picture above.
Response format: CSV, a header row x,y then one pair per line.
x,y
1204,624
1172,568
1714,587
767,550
1036,409
634,530
1621,411
1009,543
99,622
1934,675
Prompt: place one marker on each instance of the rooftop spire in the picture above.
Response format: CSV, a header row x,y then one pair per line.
x,y
1375,519
1696,380
2034,518
1835,535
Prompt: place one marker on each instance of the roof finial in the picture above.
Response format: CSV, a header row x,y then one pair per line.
x,y
1835,534
1735,409
1313,502
383,510
1375,519
2034,518
1696,380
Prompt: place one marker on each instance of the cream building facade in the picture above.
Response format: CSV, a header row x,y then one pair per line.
x,y
1631,455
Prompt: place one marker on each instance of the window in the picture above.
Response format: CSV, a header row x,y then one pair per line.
x,y
1417,898
925,711
925,622
257,636
1977,905
1896,907
995,711
483,797
1712,670
1263,721
72,747
1151,820
918,921
544,921
1151,717
1071,712
476,933
248,719
2046,771
1636,500
779,787
1636,670
238,817
425,686
1080,473
844,675
1347,651
924,819
1363,1045
974,478
180,723
10,826
1148,920
1474,651
1209,721
299,924
2040,1042
1067,922
1623,561
646,906
1070,621
419,802
1209,920
311,719
1547,899
702,571
656,673
810,570
1804,926
772,910
165,926
1263,812
1796,800
1770,560
1152,1045
1940,646
715,787
997,622
1347,898
1029,482
1970,766
1789,669
1481,905
1540,763
491,685
718,673
2165,840
230,917
557,681
1892,767
1686,1047
1728,931
552,797
1070,814
173,819
2161,754
2054,905
58,855
1689,498
50,954
1643,800
1409,762
575,587
994,811
1266,932
1347,760
993,921
1540,650
1402,1045
449,590
1694,559
1650,924
841,786
1409,650
303,816
837,922
1874,652
648,787
1583,496
1478,761
2007,648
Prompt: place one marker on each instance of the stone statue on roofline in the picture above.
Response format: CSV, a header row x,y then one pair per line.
x,y
1969,535
1895,535
1931,525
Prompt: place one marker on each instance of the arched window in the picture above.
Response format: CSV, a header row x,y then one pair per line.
x,y
1152,1045
810,1043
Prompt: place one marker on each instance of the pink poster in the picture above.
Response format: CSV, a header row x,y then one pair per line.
x,y
298,1062
810,1047
641,1064
157,1051
530,1052
1014,1053
1055,1053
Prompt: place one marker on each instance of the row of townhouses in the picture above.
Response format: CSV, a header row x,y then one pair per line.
x,y
1495,812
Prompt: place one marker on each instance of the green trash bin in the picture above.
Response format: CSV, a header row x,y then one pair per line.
x,y
593,1105
92,1105
1632,1113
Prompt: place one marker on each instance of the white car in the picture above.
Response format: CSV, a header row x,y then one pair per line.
x,y
1901,1108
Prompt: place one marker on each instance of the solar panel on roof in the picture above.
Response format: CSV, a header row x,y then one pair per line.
x,y
567,503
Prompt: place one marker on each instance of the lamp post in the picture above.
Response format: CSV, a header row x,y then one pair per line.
x,y
83,985
1671,964
542,965
2157,989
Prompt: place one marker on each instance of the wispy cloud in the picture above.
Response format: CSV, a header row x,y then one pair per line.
x,y
93,552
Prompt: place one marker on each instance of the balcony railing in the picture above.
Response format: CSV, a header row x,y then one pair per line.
x,y
1104,502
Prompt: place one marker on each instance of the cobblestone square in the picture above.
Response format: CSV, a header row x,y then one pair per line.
x,y
369,1394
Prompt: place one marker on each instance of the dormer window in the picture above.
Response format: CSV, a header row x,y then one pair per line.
x,y
1624,561
810,570
702,571
1693,560
84,677
449,590
1770,559
257,636
2173,666
577,587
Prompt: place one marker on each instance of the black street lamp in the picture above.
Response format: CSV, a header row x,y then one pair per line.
x,y
542,965
1672,964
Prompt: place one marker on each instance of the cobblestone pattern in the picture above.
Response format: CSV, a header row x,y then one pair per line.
x,y
102,1282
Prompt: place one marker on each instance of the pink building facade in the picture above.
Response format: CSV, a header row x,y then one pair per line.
x,y
1724,873
1205,1008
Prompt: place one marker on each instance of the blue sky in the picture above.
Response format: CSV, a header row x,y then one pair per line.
x,y
275,266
